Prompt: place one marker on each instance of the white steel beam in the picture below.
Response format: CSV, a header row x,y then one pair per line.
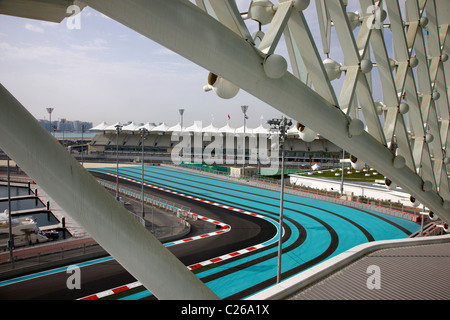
x,y
47,10
303,40
324,22
228,14
276,28
88,203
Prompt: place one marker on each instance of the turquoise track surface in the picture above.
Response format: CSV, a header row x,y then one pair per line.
x,y
317,230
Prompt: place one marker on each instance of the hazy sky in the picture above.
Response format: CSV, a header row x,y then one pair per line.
x,y
107,72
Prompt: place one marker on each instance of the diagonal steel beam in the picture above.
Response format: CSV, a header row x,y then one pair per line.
x,y
88,203
276,28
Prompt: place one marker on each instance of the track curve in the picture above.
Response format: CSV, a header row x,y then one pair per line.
x,y
314,230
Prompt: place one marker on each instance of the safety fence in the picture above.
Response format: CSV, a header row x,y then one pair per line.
x,y
182,212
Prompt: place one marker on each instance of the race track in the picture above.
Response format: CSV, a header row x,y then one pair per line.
x,y
237,263
314,230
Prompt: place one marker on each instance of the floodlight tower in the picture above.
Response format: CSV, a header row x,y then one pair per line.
x,y
144,133
244,111
181,111
118,130
282,125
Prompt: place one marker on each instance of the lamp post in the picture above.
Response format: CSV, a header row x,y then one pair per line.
x,y
282,125
144,133
342,173
63,121
83,128
11,236
50,110
118,129
244,111
181,111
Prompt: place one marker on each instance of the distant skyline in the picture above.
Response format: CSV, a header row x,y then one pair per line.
x,y
105,71
67,125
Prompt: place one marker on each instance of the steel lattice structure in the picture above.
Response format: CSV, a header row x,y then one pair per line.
x,y
410,118
391,112
404,132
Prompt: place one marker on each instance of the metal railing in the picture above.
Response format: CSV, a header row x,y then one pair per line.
x,y
179,210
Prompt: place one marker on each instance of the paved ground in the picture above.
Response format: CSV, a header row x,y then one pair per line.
x,y
405,273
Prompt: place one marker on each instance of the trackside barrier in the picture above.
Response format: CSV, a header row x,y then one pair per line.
x,y
139,219
182,212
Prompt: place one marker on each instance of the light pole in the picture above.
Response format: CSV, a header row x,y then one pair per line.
x,y
144,133
83,128
342,173
118,129
50,110
63,121
244,111
282,125
181,111
11,236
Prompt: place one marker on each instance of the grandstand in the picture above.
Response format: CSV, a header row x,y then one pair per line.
x,y
162,139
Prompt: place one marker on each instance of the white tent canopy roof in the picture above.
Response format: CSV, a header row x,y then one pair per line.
x,y
149,126
261,129
113,126
196,127
175,128
227,129
210,129
161,128
99,127
131,127
241,130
